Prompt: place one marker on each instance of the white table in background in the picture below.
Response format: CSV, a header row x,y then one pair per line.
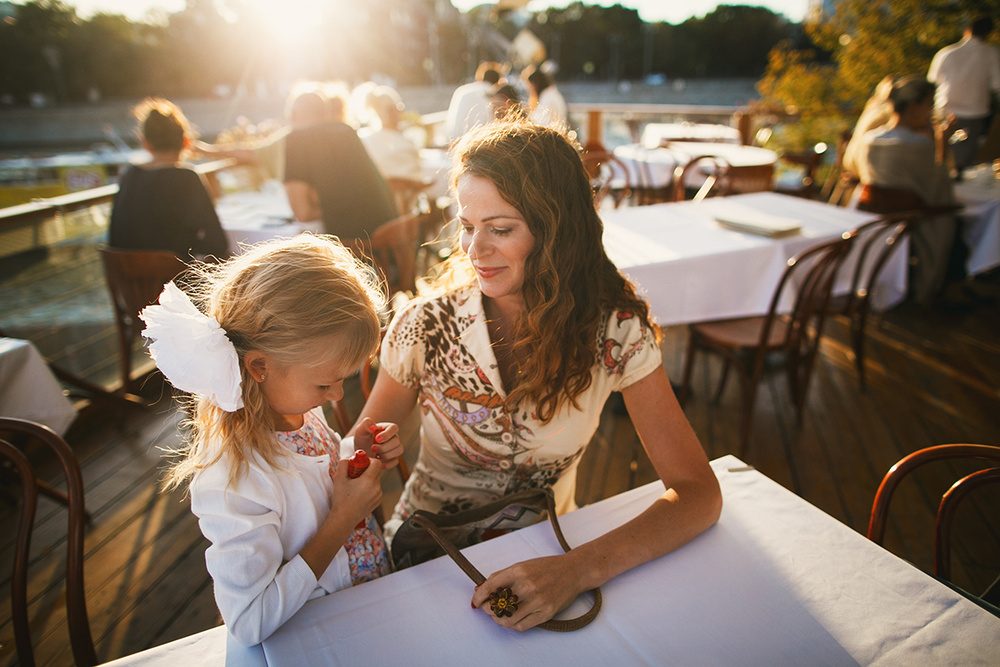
x,y
692,269
654,134
29,390
775,582
980,194
655,166
253,216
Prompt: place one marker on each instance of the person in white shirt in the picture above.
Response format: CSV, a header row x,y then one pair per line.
x,y
545,103
283,324
390,150
470,103
967,74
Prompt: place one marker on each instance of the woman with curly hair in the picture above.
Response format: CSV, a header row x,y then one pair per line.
x,y
512,358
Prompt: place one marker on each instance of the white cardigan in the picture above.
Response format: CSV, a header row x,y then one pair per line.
x,y
257,527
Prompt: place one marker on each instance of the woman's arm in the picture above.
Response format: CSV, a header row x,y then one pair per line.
x,y
392,402
692,502
304,201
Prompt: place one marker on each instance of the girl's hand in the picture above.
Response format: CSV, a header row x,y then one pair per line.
x,y
543,586
357,498
381,439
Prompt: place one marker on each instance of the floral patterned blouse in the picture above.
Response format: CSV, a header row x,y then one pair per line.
x,y
473,451
366,549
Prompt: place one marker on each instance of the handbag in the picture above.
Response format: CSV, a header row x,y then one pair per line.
x,y
426,535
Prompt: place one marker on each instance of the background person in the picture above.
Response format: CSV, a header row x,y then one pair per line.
x,y
967,75
329,175
514,357
470,103
164,204
545,103
393,154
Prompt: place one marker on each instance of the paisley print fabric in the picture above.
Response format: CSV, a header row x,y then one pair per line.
x,y
367,553
473,450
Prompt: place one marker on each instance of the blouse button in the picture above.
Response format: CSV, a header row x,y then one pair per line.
x,y
507,438
505,464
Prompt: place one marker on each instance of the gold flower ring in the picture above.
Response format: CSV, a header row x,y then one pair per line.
x,y
503,602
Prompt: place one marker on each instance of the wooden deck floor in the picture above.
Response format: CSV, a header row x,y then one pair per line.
x,y
935,378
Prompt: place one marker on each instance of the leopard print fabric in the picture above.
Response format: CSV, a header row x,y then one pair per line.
x,y
473,450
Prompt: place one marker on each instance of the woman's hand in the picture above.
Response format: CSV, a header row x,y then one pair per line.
x,y
543,586
381,439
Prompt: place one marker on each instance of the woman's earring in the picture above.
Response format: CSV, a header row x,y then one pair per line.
x,y
261,378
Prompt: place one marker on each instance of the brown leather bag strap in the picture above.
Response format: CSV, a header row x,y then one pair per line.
x,y
427,521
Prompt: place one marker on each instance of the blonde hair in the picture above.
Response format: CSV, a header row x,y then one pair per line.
x,y
302,301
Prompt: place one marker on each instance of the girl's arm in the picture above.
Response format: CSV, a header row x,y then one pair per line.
x,y
692,502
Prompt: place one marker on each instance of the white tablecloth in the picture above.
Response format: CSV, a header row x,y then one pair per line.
x,y
29,390
654,167
655,134
254,216
691,269
980,220
775,582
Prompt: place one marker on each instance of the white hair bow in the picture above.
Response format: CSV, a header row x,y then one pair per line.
x,y
192,350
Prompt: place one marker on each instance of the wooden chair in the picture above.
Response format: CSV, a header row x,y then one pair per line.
x,y
740,179
839,183
714,170
746,342
407,192
949,501
76,602
135,280
609,176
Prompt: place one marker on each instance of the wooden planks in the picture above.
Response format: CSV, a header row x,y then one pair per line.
x,y
932,379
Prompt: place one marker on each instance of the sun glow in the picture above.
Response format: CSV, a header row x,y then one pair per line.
x,y
290,20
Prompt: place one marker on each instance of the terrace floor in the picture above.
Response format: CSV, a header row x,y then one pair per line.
x,y
934,378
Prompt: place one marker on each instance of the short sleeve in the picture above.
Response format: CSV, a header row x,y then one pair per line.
x,y
628,350
404,349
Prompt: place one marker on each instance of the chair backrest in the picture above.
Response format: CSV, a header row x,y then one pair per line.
x,y
834,185
609,176
882,199
712,171
804,165
949,501
13,431
135,280
406,192
881,237
740,179
812,273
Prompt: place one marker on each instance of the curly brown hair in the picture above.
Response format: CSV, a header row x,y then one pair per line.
x,y
570,284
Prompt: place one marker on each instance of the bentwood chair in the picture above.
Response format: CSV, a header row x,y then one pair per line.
x,y
18,430
711,171
609,177
800,178
135,280
741,179
989,473
746,342
407,192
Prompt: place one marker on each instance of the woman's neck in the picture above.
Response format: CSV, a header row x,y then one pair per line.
x,y
287,422
164,158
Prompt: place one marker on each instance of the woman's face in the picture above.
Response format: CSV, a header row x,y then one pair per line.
x,y
495,236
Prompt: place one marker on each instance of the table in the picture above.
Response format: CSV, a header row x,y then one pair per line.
x,y
692,269
980,228
654,134
253,216
775,582
654,167
29,390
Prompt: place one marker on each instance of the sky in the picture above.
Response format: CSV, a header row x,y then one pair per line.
x,y
671,11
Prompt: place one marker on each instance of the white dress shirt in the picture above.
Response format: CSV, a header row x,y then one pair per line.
x,y
966,73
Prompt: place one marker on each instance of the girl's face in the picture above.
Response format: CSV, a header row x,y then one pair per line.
x,y
495,236
293,390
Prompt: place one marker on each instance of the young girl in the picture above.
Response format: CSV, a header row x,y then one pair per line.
x,y
284,324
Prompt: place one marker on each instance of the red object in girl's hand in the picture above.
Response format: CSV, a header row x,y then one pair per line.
x,y
357,464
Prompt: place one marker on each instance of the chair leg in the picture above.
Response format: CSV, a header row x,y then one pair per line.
x,y
722,380
749,391
688,368
858,323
